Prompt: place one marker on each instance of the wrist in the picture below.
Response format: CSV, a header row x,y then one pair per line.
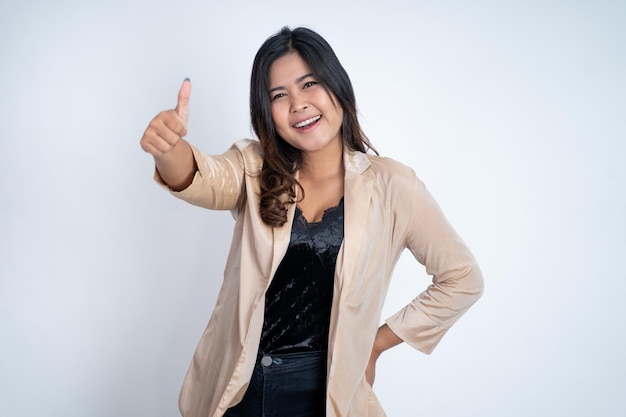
x,y
385,339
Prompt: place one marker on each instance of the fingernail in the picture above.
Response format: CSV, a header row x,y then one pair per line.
x,y
187,79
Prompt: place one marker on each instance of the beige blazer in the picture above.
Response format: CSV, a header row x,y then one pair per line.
x,y
387,209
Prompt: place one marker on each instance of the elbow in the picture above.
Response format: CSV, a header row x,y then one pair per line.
x,y
474,283
467,285
463,287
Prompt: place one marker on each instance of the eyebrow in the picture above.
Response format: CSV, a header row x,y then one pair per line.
x,y
298,80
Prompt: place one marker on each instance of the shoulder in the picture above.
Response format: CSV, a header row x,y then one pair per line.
x,y
388,177
391,171
251,153
248,145
385,164
360,163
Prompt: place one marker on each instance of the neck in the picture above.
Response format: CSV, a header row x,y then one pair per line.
x,y
322,166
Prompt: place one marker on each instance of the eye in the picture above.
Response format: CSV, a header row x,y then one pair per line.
x,y
277,96
309,84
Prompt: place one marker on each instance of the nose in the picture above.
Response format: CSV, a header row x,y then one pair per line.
x,y
298,103
299,108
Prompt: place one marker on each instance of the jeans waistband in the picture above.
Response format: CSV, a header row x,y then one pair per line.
x,y
275,362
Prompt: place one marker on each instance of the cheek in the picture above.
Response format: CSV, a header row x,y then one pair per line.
x,y
332,106
338,117
278,116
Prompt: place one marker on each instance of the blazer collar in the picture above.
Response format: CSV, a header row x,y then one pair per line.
x,y
356,162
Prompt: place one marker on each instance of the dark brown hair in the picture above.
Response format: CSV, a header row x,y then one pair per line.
x,y
281,160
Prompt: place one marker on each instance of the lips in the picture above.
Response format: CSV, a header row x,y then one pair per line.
x,y
307,122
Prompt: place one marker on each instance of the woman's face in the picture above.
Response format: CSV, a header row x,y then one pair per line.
x,y
304,113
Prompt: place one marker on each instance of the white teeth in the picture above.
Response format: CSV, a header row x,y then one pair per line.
x,y
307,122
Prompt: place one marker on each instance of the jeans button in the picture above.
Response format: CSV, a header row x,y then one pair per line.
x,y
266,360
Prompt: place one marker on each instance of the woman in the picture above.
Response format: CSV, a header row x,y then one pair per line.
x,y
320,224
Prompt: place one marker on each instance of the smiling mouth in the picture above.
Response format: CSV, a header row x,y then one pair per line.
x,y
307,122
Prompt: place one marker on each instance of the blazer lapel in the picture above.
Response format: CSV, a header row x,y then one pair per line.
x,y
281,237
358,187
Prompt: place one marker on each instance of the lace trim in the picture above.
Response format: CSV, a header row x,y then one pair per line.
x,y
329,210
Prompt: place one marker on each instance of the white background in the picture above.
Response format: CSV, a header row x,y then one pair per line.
x,y
512,112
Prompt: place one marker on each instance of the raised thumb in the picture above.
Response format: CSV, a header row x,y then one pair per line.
x,y
182,106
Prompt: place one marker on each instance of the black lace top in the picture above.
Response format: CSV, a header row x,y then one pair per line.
x,y
299,299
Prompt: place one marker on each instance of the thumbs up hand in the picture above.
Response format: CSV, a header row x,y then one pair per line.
x,y
163,139
168,127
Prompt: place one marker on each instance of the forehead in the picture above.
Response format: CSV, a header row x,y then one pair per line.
x,y
287,69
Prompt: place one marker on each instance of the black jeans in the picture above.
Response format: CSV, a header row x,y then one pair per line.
x,y
285,385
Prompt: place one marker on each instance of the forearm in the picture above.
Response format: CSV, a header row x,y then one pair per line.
x,y
177,167
385,339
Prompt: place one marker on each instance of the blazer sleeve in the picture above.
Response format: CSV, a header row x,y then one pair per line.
x,y
457,281
218,183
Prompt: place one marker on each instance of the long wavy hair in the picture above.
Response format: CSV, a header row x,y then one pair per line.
x,y
281,160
